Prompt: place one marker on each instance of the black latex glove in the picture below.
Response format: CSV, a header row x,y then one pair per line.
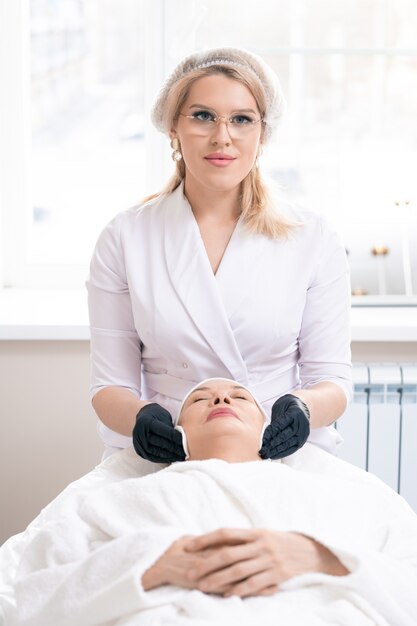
x,y
154,435
289,428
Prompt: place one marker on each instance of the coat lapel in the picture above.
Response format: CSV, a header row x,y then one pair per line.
x,y
238,273
193,280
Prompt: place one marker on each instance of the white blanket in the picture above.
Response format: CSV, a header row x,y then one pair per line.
x,y
84,563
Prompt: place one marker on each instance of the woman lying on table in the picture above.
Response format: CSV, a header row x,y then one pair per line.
x,y
226,536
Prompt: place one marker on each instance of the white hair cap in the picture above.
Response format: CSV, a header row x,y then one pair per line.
x,y
202,383
232,57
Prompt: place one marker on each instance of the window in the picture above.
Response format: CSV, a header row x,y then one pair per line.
x,y
347,146
87,101
81,101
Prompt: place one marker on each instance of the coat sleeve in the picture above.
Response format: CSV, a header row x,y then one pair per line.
x,y
115,343
324,340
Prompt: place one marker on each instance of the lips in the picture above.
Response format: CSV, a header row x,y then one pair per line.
x,y
221,411
219,159
220,156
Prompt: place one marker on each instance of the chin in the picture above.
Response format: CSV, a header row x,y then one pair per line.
x,y
220,181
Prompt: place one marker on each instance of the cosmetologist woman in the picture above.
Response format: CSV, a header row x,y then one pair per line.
x,y
216,276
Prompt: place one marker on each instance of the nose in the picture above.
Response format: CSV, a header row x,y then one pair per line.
x,y
221,133
221,397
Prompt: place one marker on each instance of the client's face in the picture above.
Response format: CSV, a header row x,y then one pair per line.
x,y
222,420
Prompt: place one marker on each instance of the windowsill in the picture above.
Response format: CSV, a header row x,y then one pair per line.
x,y
35,314
32,314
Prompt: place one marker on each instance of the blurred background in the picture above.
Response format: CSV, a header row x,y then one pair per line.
x,y
85,73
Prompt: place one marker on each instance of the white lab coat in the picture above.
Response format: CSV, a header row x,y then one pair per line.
x,y
274,317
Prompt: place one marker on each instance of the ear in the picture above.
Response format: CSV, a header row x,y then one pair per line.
x,y
172,132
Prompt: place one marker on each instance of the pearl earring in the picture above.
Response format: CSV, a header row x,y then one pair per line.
x,y
175,145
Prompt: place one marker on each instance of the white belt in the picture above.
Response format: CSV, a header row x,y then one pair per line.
x,y
177,388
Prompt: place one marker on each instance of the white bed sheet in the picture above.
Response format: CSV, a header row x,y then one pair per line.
x,y
380,591
116,467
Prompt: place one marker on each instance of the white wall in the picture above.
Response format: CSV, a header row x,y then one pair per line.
x,y
47,426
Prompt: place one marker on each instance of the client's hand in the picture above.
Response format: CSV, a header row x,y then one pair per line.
x,y
154,435
255,562
172,568
289,428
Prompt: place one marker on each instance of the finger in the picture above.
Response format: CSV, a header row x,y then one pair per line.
x,y
159,455
277,444
165,442
163,457
267,435
186,538
208,562
164,431
222,536
152,412
288,452
255,585
281,424
284,448
217,581
283,435
268,591
221,558
283,419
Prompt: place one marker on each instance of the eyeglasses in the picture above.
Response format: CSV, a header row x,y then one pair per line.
x,y
205,121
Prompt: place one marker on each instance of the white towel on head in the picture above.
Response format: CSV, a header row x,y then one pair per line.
x,y
228,380
208,380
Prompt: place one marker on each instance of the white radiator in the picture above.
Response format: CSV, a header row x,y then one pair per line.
x,y
380,425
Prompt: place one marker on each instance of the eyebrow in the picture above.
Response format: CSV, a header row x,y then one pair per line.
x,y
204,106
208,389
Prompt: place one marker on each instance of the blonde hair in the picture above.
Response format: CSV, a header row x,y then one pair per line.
x,y
259,212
